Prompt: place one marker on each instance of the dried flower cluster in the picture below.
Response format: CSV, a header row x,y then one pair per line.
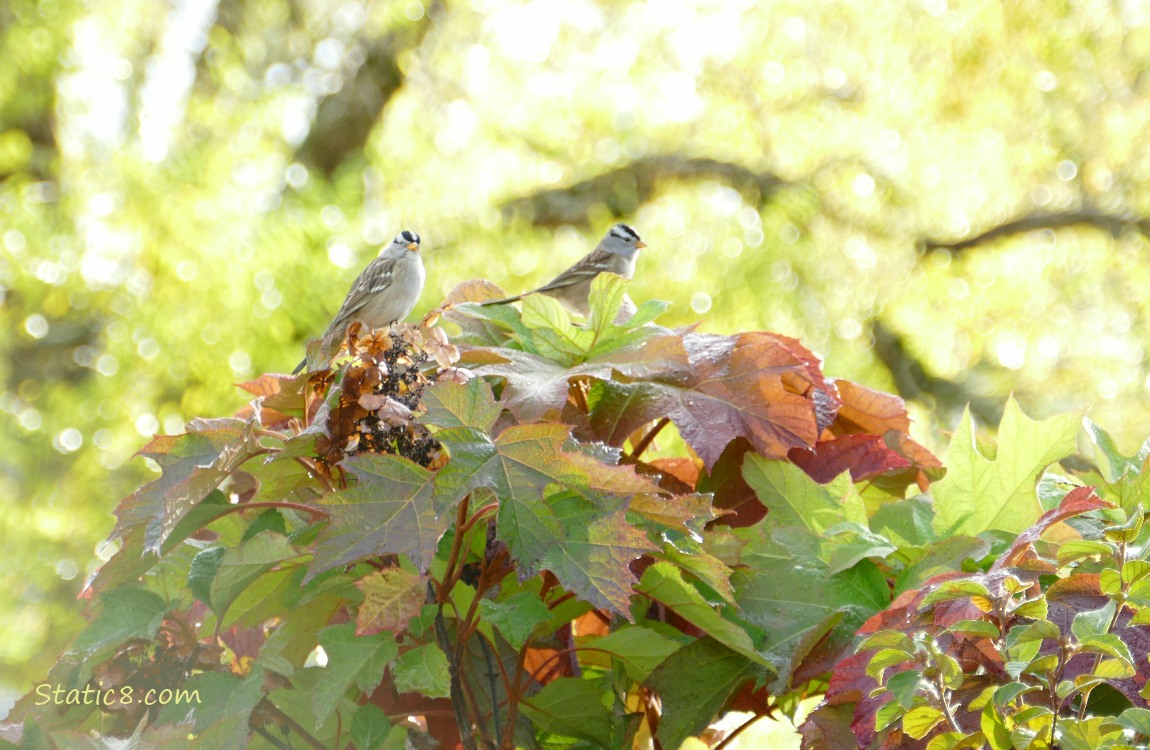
x,y
370,408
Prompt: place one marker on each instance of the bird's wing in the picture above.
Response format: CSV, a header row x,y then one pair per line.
x,y
374,279
587,268
591,265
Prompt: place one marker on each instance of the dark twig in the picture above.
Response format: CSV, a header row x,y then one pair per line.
x,y
267,706
738,730
646,440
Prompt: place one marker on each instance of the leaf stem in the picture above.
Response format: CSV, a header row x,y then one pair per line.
x,y
738,730
646,440
291,723
513,701
317,513
450,575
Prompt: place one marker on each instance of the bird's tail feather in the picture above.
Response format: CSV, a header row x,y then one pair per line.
x,y
504,301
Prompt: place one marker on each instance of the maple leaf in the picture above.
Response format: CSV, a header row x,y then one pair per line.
x,y
389,510
560,506
391,598
537,386
192,464
758,386
980,493
594,556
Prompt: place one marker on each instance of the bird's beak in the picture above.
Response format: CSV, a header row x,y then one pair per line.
x,y
413,246
640,244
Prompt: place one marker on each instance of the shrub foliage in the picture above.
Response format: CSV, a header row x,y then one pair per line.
x,y
547,534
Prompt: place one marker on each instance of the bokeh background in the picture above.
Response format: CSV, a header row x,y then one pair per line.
x,y
950,201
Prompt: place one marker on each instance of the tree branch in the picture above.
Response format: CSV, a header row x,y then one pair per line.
x,y
1113,224
913,381
344,120
625,188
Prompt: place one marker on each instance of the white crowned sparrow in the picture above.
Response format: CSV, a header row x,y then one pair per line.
x,y
383,294
615,253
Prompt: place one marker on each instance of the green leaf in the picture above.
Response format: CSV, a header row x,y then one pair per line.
x,y
1035,632
1080,549
452,405
1135,570
1093,622
1114,669
961,589
789,599
885,659
694,683
1136,719
639,649
907,523
887,639
369,727
957,741
571,707
203,571
664,583
560,510
1109,581
994,729
980,493
389,510
515,617
1036,609
270,520
1043,666
794,499
1111,461
1086,734
847,544
1004,695
593,559
918,721
904,687
423,669
391,598
220,708
238,567
943,556
537,387
975,627
1128,531
952,674
124,613
352,660
1107,644
887,715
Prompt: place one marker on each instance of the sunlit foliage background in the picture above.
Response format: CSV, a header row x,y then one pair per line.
x,y
188,187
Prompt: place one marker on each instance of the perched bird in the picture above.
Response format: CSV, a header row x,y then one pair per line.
x,y
615,253
383,294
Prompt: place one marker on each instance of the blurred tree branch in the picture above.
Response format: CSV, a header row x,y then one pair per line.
x,y
913,382
1114,224
345,119
624,189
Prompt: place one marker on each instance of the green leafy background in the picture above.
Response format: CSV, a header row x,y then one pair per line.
x,y
187,189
